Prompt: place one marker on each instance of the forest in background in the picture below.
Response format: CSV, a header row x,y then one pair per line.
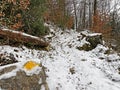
x,y
29,16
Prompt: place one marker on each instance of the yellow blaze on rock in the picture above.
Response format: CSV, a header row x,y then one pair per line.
x,y
30,65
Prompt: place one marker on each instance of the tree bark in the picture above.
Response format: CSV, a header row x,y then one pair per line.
x,y
23,38
75,13
95,7
95,13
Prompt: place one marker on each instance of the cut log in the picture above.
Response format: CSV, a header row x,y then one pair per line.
x,y
23,38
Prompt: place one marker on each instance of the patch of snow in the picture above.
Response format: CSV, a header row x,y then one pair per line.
x,y
40,81
94,34
35,70
21,33
83,41
8,75
86,32
42,87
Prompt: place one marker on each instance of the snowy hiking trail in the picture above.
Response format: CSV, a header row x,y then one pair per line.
x,y
68,68
86,75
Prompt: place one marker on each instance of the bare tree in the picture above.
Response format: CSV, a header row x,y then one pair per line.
x,y
75,13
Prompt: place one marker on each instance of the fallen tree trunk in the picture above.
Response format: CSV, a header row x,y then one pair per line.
x,y
23,38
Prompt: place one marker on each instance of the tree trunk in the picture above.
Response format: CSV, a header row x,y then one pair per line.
x,y
16,37
94,13
75,14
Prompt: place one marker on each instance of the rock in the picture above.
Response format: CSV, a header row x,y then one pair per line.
x,y
108,52
85,47
22,81
92,40
72,70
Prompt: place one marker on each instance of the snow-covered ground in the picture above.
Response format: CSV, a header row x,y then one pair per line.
x,y
68,68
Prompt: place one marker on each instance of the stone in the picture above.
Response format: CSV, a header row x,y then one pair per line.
x,y
22,81
72,70
85,47
92,39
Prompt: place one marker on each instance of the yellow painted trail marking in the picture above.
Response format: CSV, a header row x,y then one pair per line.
x,y
30,65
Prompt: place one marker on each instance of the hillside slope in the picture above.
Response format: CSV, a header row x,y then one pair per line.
x,y
68,68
